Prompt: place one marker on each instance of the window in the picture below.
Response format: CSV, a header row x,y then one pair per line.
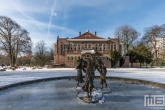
x,y
104,46
96,46
89,46
64,47
111,46
75,58
75,46
78,46
114,46
70,46
100,46
87,36
85,46
68,58
71,58
61,48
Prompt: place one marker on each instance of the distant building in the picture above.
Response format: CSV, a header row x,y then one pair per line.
x,y
86,45
160,46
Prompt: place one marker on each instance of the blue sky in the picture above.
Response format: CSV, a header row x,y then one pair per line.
x,y
46,19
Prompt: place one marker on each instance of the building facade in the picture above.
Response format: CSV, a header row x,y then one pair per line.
x,y
86,45
158,48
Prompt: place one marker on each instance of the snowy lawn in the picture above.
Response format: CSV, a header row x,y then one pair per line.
x,y
10,77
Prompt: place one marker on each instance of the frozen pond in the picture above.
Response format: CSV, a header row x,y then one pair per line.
x,y
61,95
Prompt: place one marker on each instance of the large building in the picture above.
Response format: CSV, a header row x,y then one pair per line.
x,y
86,45
159,44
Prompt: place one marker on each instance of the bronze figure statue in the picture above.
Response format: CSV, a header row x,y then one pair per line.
x,y
93,64
89,65
88,86
79,72
102,70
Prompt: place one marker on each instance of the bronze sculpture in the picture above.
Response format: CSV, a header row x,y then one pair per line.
x,y
79,72
93,64
89,65
102,70
88,86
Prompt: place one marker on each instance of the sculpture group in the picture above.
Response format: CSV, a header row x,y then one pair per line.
x,y
88,66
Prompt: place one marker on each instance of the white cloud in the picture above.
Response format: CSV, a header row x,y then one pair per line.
x,y
45,19
52,13
28,13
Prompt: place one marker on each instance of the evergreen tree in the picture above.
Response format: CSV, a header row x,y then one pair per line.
x,y
114,57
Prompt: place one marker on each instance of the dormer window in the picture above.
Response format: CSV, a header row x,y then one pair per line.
x,y
87,37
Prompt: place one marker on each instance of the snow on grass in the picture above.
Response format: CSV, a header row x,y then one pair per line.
x,y
20,75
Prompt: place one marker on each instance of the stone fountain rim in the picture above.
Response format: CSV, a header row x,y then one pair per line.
x,y
132,80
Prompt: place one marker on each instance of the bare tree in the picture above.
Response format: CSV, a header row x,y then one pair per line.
x,y
25,59
152,37
163,41
127,35
50,55
13,39
40,53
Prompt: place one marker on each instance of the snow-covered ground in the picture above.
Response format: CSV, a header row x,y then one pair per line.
x,y
10,77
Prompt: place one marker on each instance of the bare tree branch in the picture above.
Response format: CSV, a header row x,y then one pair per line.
x,y
127,36
14,39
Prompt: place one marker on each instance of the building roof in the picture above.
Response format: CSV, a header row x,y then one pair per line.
x,y
87,35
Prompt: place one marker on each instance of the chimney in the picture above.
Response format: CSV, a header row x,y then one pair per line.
x,y
79,33
95,33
